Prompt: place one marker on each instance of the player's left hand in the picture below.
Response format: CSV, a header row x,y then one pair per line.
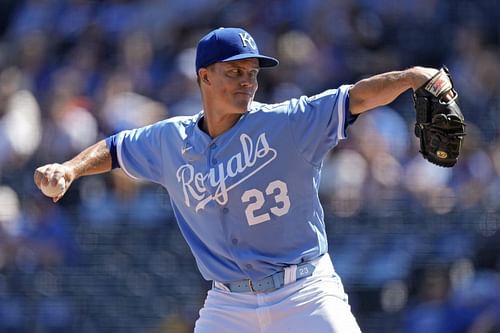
x,y
439,123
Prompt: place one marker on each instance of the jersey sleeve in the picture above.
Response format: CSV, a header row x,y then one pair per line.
x,y
139,154
318,122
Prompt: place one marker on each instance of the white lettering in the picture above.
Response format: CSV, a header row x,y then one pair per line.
x,y
262,147
247,146
185,175
200,182
194,185
246,38
236,159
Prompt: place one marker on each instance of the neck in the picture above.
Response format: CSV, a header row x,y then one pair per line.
x,y
215,124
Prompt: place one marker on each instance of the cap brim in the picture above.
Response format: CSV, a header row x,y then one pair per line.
x,y
264,61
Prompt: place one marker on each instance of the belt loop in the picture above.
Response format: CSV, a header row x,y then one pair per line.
x,y
219,285
290,274
250,285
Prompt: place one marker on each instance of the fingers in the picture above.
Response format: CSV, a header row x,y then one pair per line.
x,y
47,174
56,199
50,174
39,176
450,95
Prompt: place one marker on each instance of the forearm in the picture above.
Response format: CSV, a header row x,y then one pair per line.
x,y
384,88
93,160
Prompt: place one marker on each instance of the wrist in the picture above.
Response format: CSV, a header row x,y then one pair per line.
x,y
418,76
70,170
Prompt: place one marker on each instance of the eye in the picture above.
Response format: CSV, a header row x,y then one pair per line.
x,y
253,74
234,72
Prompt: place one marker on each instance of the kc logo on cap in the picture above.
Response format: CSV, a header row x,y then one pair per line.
x,y
229,44
246,38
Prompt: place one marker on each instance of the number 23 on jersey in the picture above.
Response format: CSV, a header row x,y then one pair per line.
x,y
276,191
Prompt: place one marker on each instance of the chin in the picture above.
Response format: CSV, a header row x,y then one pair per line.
x,y
242,110
243,107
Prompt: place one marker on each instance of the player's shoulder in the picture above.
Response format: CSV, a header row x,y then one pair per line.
x,y
300,102
284,107
258,107
177,121
183,120
173,126
328,93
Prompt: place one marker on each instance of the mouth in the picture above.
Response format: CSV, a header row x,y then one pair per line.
x,y
246,93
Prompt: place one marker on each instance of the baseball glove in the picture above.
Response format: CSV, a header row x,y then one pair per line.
x,y
440,124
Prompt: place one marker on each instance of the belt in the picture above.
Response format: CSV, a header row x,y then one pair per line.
x,y
270,283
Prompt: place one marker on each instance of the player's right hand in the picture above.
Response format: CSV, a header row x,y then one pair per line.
x,y
51,173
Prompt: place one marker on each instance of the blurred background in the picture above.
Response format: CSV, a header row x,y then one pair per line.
x,y
417,246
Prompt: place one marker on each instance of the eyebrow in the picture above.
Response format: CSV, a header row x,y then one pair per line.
x,y
233,65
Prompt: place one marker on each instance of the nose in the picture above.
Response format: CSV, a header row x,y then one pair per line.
x,y
245,83
248,81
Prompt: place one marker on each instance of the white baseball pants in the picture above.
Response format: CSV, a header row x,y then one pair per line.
x,y
316,304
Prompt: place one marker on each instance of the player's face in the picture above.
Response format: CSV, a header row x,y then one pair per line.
x,y
234,83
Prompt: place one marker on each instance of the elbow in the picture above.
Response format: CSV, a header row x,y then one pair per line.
x,y
357,105
359,102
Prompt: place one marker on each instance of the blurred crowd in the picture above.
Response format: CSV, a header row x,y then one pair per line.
x,y
417,246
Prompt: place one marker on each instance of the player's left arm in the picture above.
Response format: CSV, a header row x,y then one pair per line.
x,y
384,88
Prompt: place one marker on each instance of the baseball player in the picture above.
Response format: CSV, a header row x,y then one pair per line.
x,y
243,180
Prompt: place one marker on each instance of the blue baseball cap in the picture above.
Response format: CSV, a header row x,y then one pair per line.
x,y
228,44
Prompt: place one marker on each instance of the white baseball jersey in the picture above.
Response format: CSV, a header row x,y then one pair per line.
x,y
246,201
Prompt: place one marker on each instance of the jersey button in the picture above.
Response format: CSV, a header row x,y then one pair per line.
x,y
214,161
249,266
213,146
225,210
234,241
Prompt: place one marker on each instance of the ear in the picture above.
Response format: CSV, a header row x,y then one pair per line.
x,y
203,74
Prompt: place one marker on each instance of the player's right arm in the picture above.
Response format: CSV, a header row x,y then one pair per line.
x,y
95,159
384,88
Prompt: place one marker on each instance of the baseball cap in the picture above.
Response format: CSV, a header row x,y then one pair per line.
x,y
228,44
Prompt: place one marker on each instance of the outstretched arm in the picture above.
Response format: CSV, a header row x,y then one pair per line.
x,y
93,160
382,89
